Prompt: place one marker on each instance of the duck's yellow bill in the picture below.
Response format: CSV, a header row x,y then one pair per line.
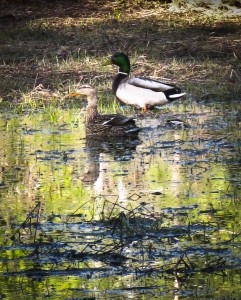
x,y
73,94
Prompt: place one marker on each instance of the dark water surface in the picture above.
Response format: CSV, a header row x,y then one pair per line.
x,y
157,217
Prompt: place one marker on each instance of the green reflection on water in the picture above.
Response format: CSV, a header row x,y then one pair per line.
x,y
44,158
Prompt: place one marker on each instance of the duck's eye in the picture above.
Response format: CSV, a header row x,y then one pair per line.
x,y
86,87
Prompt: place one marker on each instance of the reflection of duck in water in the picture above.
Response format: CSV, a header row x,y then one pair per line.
x,y
104,125
120,148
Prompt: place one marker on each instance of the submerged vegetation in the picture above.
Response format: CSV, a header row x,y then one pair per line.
x,y
134,242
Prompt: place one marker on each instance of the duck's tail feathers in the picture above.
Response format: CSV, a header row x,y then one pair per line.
x,y
176,96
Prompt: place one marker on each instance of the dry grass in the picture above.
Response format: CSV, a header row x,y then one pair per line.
x,y
58,45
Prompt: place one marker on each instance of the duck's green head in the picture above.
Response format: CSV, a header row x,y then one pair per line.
x,y
122,61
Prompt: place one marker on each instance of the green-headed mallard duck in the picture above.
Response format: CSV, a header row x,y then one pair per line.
x,y
104,125
140,91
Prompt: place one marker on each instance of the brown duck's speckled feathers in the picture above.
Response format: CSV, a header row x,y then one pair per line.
x,y
110,125
104,125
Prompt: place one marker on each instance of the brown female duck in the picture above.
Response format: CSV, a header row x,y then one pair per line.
x,y
104,125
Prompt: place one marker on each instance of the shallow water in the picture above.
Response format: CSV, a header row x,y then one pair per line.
x,y
157,216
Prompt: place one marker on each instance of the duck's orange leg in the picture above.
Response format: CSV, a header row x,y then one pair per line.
x,y
144,109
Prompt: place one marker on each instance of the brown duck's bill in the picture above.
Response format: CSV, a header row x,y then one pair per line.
x,y
73,94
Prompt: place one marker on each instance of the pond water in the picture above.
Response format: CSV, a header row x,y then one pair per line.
x,y
157,217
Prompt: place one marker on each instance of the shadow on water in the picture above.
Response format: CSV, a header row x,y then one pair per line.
x,y
154,216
